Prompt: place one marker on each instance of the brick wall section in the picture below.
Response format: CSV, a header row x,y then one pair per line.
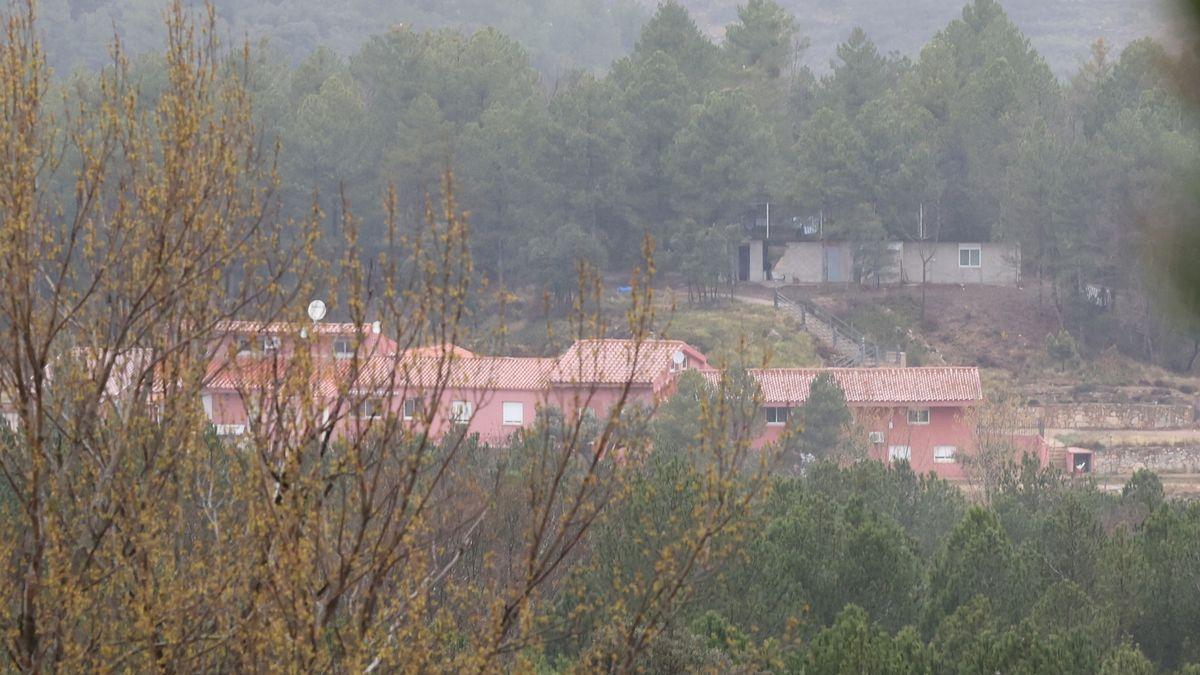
x,y
1134,416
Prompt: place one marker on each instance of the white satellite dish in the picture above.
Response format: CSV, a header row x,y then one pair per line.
x,y
316,310
678,358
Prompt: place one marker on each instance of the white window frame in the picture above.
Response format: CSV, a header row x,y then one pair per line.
x,y
348,352
229,429
897,452
377,404
269,343
461,412
411,407
773,411
916,421
969,249
512,414
243,346
945,454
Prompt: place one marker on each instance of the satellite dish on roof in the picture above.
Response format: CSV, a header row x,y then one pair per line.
x,y
678,358
316,310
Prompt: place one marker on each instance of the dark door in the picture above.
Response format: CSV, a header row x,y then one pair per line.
x,y
744,263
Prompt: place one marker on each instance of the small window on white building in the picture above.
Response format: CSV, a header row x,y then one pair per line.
x,y
343,348
969,255
411,407
777,416
944,454
514,413
898,452
461,411
918,415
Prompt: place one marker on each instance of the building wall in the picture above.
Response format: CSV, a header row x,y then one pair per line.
x,y
757,273
802,263
947,426
321,345
999,264
808,262
487,418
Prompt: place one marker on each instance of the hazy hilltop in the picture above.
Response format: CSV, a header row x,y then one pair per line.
x,y
558,34
564,34
1060,30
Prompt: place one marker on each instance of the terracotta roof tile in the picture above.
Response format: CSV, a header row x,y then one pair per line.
x,y
617,361
872,385
285,328
329,376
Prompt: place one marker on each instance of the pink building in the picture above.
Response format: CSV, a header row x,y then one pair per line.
x,y
916,414
252,358
494,396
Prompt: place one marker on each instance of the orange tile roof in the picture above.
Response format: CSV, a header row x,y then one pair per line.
x,y
872,385
478,372
615,361
441,350
388,373
285,328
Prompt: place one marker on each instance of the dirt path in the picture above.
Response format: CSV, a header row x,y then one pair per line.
x,y
754,300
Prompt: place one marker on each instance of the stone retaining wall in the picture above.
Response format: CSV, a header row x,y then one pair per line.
x,y
1124,461
1134,416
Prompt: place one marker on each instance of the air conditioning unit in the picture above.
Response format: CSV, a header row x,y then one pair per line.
x,y
876,436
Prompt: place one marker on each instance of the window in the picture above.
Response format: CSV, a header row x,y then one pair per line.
x,y
411,407
897,452
969,255
461,411
370,407
342,348
918,415
244,346
777,416
269,343
944,454
514,413
229,429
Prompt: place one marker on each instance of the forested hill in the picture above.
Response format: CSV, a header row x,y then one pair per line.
x,y
558,34
564,34
1060,30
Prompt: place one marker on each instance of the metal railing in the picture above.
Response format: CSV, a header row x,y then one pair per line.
x,y
846,341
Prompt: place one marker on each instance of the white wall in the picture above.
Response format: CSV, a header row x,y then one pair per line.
x,y
804,263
